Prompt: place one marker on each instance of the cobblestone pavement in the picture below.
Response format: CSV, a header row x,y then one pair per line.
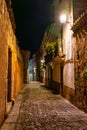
x,y
40,109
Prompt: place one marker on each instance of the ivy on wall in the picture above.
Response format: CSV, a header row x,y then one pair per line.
x,y
51,51
51,48
85,73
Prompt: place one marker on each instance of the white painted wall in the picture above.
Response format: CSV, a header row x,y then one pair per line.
x,y
69,75
67,8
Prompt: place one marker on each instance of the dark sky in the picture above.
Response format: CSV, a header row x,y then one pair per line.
x,y
32,18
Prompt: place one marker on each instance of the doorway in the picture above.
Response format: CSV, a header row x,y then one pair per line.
x,y
50,77
9,75
61,80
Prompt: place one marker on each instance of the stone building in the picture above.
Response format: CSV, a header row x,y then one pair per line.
x,y
37,61
11,59
67,72
25,55
60,70
80,60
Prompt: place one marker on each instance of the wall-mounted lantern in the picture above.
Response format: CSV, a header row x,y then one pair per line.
x,y
66,21
63,18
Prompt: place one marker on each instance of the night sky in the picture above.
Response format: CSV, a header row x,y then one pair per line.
x,y
32,18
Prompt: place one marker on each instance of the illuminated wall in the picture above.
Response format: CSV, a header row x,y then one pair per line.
x,y
68,71
11,63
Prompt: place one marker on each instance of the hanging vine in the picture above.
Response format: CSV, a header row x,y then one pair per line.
x,y
51,48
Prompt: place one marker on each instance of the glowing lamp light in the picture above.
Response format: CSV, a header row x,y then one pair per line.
x,y
63,18
42,61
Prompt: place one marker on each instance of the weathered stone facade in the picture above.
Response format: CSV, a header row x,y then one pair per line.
x,y
57,66
80,61
26,55
11,62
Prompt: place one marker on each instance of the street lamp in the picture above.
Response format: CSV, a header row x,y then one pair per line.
x,y
66,36
62,21
63,18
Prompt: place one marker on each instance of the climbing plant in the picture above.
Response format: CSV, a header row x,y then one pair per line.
x,y
85,73
51,47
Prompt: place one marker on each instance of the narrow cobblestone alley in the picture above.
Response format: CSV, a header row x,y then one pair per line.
x,y
40,109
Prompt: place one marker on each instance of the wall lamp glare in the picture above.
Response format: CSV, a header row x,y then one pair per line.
x,y
42,61
63,18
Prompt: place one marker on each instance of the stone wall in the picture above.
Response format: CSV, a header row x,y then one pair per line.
x,y
57,75
9,71
68,78
3,59
26,55
80,61
67,41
